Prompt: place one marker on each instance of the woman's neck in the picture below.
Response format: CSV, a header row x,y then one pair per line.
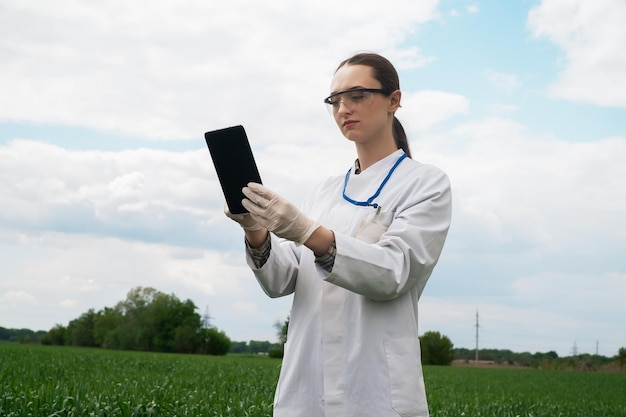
x,y
369,155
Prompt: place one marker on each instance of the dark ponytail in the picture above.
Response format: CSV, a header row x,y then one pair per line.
x,y
387,75
399,135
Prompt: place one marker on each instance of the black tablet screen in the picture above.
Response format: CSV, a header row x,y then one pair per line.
x,y
234,163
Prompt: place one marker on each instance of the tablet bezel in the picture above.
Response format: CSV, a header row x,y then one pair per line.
x,y
234,163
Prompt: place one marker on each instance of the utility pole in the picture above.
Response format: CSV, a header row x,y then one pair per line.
x,y
597,342
206,319
575,350
477,326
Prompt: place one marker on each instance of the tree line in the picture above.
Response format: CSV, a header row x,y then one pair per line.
x,y
20,335
150,320
147,320
543,360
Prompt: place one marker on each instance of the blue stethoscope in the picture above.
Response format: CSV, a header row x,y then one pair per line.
x,y
369,201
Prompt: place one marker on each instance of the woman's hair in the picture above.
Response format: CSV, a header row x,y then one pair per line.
x,y
387,75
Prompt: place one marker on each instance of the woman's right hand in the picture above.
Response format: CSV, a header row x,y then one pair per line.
x,y
244,220
255,233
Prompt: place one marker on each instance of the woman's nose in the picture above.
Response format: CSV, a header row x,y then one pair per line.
x,y
345,107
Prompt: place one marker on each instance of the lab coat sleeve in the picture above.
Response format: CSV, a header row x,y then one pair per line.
x,y
406,253
278,275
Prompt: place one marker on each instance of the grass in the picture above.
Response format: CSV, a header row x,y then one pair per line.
x,y
488,392
63,381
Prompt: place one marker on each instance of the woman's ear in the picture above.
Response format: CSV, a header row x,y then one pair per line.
x,y
394,101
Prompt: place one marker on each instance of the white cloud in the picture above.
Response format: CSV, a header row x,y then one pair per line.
x,y
425,109
70,274
546,192
78,229
68,303
592,36
143,194
472,8
499,108
12,299
603,291
535,198
107,193
246,309
507,83
183,69
503,325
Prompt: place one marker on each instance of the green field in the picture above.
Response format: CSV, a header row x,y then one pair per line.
x,y
64,381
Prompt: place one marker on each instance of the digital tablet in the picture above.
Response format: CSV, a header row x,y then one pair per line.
x,y
234,163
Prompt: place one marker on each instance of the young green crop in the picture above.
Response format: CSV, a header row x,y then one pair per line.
x,y
470,392
63,381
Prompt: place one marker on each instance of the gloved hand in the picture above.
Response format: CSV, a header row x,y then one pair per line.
x,y
276,214
244,220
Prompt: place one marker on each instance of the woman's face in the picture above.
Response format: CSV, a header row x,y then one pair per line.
x,y
364,120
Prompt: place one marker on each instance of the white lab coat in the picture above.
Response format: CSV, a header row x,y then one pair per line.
x,y
352,345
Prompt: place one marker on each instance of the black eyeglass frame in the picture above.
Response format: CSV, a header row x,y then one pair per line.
x,y
328,100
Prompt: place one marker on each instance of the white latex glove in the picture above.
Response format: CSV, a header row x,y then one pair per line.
x,y
276,214
244,220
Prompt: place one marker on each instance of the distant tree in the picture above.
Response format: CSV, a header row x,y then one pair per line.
x,y
281,333
152,321
54,336
551,355
172,324
621,357
187,339
80,330
239,347
146,320
526,359
104,329
218,342
137,299
281,330
21,335
134,332
436,349
259,346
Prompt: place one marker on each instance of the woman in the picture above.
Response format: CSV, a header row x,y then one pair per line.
x,y
356,259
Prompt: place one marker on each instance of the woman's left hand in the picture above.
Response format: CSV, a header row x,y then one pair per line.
x,y
277,214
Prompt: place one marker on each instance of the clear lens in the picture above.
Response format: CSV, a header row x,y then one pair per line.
x,y
350,98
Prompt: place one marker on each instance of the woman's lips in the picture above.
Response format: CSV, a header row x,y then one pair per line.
x,y
349,123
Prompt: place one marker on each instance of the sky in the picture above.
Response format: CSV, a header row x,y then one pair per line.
x,y
106,183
